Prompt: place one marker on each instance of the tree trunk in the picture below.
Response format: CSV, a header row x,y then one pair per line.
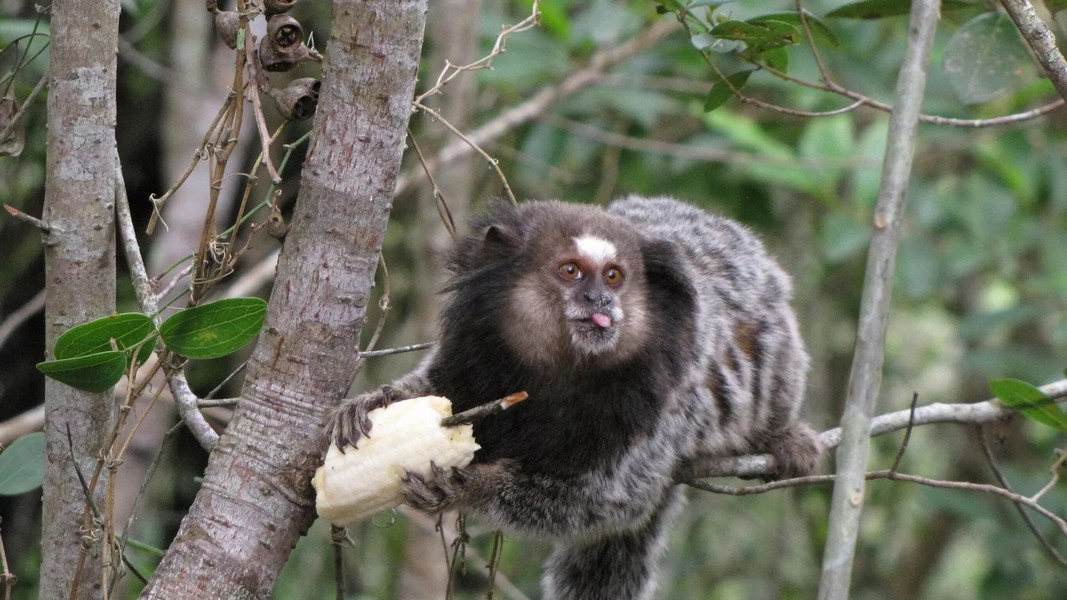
x,y
79,210
256,499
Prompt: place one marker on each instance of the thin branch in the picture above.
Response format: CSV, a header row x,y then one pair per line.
x,y
201,153
142,287
930,414
438,197
993,466
891,475
32,220
539,103
451,71
253,90
866,374
1041,41
493,163
24,109
484,410
20,315
907,433
397,350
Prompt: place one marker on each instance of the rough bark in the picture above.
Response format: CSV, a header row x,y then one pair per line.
x,y
256,499
80,274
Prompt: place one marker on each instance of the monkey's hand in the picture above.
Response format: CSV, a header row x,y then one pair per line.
x,y
446,489
350,422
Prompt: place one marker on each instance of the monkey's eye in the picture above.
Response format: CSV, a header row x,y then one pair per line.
x,y
613,277
570,271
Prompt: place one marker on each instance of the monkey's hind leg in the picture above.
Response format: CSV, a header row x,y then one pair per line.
x,y
618,566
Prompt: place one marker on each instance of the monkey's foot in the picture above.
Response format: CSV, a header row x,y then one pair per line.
x,y
796,450
350,421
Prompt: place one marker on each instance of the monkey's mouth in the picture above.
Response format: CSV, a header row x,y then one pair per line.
x,y
601,320
595,322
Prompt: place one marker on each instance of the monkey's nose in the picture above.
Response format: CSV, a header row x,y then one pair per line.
x,y
598,300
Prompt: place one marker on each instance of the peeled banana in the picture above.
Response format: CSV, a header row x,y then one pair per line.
x,y
355,484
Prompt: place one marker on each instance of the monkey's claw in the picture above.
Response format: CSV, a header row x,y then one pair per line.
x,y
350,422
436,492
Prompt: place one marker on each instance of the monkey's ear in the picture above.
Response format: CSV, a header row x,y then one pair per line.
x,y
500,241
666,272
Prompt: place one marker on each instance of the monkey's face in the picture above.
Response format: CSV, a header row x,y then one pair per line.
x,y
590,280
582,299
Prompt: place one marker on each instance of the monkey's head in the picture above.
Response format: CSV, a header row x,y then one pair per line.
x,y
574,289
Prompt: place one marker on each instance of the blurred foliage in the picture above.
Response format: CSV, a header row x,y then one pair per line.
x,y
981,289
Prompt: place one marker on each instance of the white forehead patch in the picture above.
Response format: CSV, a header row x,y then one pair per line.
x,y
595,249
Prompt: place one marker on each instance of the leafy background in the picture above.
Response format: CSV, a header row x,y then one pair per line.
x,y
981,283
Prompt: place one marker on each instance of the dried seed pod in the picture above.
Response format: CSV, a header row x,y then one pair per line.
x,y
226,25
357,483
272,60
285,33
283,46
277,7
298,100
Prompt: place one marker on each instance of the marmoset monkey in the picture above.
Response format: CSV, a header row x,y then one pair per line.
x,y
649,335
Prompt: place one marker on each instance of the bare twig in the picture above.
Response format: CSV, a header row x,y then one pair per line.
x,y
480,412
993,466
21,424
6,577
397,350
1041,40
199,154
892,475
253,90
961,414
493,163
20,315
1055,471
907,432
142,286
539,103
26,104
451,71
21,216
438,196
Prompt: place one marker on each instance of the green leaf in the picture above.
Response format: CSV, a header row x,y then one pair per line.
x,y
22,465
127,329
818,28
91,372
879,9
667,6
720,92
1030,401
775,58
985,58
215,329
760,35
708,3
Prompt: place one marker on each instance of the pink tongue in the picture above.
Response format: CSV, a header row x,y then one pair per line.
x,y
601,320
